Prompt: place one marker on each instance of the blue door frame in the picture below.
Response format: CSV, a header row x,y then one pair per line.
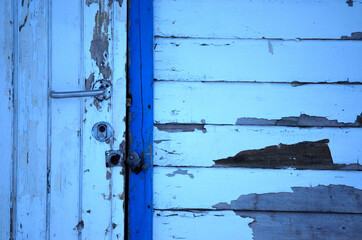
x,y
140,118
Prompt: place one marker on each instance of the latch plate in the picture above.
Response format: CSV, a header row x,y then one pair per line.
x,y
113,158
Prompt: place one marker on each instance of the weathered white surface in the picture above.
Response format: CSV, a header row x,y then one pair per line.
x,y
255,225
220,43
178,148
65,120
102,205
61,181
257,19
119,59
201,188
32,116
257,60
224,103
200,225
6,113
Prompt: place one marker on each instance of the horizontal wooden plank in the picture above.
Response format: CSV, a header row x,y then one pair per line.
x,y
257,19
176,146
240,103
257,60
200,225
254,225
257,189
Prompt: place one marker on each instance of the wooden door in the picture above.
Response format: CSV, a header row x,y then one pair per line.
x,y
54,180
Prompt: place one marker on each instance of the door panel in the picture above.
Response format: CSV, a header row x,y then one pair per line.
x,y
61,186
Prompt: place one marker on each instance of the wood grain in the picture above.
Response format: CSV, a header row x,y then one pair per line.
x,y
6,119
257,19
257,60
255,225
225,103
207,188
218,142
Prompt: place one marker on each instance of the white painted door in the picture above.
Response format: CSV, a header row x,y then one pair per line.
x,y
54,179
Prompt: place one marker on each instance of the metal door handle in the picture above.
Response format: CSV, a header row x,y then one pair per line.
x,y
73,94
101,90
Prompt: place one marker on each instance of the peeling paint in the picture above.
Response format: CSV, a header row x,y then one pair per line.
x,y
349,3
79,226
100,42
302,155
273,225
108,175
172,127
354,35
181,172
114,225
303,120
89,82
331,198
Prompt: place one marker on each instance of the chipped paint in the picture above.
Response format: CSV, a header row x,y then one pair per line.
x,y
354,36
302,155
88,83
100,42
273,225
180,172
303,120
331,198
108,175
349,3
174,127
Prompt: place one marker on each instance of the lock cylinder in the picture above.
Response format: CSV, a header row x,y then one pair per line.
x,y
102,131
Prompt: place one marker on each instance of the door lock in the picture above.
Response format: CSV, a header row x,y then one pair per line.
x,y
102,131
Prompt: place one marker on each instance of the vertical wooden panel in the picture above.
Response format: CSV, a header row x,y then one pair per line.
x,y
119,49
6,113
140,68
31,103
102,187
96,189
65,119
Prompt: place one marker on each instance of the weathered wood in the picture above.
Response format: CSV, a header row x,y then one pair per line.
x,y
119,59
257,19
216,188
31,103
6,113
258,104
177,148
200,225
65,120
255,225
257,60
104,51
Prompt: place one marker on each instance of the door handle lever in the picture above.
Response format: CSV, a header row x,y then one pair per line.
x,y
101,90
74,94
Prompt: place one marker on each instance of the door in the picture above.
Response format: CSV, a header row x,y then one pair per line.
x,y
56,182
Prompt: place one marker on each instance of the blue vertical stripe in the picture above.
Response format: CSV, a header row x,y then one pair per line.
x,y
140,70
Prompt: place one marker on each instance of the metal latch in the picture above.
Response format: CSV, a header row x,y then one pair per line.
x,y
113,158
135,162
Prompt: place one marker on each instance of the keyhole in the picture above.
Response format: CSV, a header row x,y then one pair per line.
x,y
102,128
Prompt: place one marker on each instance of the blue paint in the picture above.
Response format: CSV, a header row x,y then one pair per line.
x,y
140,47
